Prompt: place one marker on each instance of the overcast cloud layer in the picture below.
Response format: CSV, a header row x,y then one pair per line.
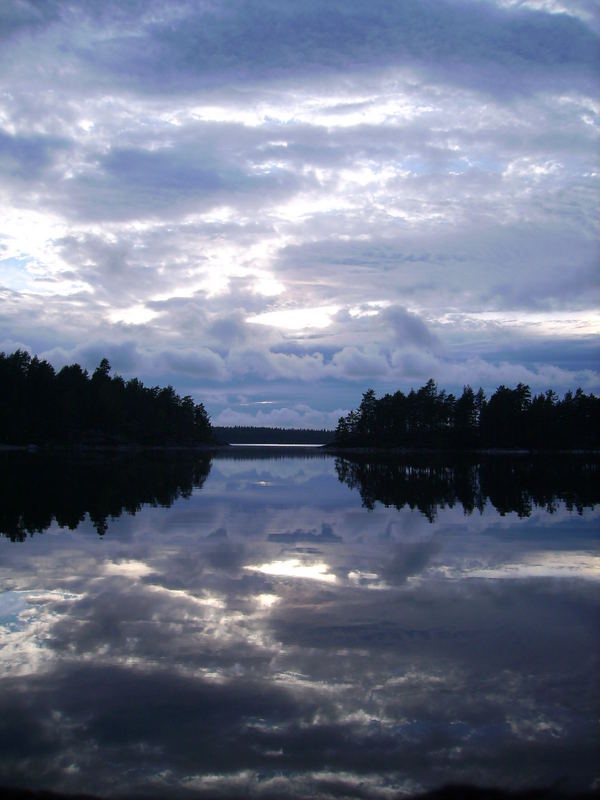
x,y
274,205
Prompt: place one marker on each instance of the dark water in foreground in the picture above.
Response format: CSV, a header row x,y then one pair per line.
x,y
266,627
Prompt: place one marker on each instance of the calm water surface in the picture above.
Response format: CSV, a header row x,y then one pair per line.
x,y
263,626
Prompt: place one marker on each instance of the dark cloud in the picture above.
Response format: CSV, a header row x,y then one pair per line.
x,y
409,328
408,559
27,16
226,556
26,157
127,184
474,44
229,329
200,362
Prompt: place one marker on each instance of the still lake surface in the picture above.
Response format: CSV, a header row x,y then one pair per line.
x,y
277,623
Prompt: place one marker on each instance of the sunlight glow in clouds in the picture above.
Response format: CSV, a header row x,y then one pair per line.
x,y
329,111
134,315
296,319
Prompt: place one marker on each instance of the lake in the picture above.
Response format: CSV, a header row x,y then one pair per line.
x,y
292,624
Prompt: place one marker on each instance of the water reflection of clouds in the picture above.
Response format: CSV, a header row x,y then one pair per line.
x,y
277,683
26,618
540,565
295,568
297,469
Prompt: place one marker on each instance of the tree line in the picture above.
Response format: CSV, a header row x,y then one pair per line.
x,y
246,434
39,405
510,418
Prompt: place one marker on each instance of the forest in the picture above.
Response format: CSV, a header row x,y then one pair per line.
x,y
510,418
245,434
41,406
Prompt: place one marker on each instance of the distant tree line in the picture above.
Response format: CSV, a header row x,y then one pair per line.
x,y
510,418
242,434
41,406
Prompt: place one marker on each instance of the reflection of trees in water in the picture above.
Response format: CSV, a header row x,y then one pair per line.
x,y
279,453
37,489
510,483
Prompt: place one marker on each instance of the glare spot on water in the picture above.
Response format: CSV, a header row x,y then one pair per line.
x,y
128,568
366,580
266,600
294,568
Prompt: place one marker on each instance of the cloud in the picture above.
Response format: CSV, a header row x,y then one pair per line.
x,y
129,184
228,330
353,362
302,415
16,18
26,157
124,356
408,559
202,363
408,328
425,172
473,43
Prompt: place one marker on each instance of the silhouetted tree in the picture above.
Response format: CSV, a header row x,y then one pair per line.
x,y
39,406
466,419
429,417
244,434
503,420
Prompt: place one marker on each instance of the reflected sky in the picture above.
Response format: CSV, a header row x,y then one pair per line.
x,y
269,636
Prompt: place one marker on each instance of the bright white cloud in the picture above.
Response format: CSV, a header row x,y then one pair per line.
x,y
295,319
134,315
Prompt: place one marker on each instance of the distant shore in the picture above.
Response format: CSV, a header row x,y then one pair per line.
x,y
110,448
492,451
330,449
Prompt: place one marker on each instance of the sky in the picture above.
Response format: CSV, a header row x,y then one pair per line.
x,y
273,206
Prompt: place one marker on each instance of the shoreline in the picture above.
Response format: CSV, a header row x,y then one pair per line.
x,y
110,448
329,449
487,451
